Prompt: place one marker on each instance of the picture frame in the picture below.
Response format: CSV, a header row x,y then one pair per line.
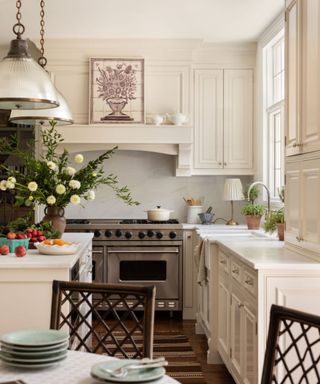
x,y
116,91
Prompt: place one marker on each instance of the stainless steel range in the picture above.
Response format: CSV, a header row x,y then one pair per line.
x,y
138,252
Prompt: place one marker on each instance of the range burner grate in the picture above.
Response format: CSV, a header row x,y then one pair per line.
x,y
145,221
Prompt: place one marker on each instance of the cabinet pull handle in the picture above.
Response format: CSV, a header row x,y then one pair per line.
x,y
249,281
297,145
240,305
224,163
223,261
235,271
220,163
97,252
189,236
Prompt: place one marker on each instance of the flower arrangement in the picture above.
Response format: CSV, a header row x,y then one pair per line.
x,y
51,180
117,83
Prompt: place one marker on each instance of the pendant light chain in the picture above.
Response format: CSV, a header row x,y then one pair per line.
x,y
18,28
42,59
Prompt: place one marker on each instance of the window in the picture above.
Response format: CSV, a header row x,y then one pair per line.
x,y
273,94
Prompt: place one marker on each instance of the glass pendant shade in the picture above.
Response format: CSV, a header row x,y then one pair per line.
x,y
61,115
24,84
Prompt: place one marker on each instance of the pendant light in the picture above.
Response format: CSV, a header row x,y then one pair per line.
x,y
61,115
23,83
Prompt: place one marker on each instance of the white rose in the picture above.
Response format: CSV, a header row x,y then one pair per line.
x,y
60,189
51,200
75,199
51,165
70,171
91,195
32,186
3,185
79,158
94,174
12,179
10,184
74,184
30,198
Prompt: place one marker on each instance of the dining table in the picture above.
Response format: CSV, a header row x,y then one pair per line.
x,y
75,369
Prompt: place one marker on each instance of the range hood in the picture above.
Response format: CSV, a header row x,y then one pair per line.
x,y
166,139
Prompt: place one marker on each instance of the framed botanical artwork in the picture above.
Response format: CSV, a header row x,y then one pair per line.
x,y
116,91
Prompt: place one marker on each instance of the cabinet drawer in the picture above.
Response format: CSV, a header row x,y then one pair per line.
x,y
236,271
224,262
249,282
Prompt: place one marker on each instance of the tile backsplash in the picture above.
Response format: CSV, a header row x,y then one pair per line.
x,y
150,177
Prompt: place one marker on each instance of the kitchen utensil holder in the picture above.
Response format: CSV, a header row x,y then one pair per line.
x,y
192,213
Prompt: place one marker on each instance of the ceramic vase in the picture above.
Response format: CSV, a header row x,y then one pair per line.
x,y
55,215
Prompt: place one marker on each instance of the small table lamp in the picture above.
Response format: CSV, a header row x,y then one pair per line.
x,y
232,192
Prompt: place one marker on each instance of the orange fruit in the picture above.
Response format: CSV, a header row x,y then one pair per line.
x,y
47,242
59,242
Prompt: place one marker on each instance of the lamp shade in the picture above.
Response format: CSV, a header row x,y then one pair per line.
x,y
61,115
233,190
24,84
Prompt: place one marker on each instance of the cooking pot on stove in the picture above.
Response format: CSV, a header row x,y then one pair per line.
x,y
158,214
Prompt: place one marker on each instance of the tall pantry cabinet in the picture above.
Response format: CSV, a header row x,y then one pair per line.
x,y
303,126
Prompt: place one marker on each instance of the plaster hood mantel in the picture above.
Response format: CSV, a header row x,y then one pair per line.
x,y
167,139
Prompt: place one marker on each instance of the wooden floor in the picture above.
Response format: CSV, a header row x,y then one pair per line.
x,y
214,374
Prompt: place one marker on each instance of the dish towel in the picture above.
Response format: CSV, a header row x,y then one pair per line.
x,y
200,262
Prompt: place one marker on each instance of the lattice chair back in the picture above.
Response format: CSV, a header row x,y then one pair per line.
x,y
293,348
116,320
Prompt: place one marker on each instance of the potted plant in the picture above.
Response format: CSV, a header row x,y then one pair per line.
x,y
252,211
275,221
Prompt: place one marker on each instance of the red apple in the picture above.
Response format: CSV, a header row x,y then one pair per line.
x,y
34,233
34,239
41,238
11,235
20,251
29,235
39,233
29,230
4,249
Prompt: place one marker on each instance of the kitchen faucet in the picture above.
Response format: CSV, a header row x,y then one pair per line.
x,y
267,189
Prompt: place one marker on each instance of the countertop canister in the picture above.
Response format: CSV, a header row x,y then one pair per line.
x,y
192,213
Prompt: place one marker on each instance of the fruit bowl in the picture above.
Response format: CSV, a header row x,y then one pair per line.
x,y
13,244
48,247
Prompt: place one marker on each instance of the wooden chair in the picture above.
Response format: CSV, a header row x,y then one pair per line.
x,y
102,318
293,348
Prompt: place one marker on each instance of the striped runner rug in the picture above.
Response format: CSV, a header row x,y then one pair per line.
x,y
183,364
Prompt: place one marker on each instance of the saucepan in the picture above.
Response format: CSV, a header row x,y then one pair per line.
x,y
158,214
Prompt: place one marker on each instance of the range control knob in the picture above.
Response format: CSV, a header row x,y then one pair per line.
x,y
108,233
159,235
128,235
150,233
97,233
172,235
118,233
142,235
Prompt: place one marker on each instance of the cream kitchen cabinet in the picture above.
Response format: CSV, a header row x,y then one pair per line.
x,y
302,208
223,121
237,319
189,276
302,79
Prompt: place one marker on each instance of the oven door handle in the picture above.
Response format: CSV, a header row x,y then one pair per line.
x,y
174,250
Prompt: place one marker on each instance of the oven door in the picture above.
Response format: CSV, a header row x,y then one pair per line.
x,y
158,266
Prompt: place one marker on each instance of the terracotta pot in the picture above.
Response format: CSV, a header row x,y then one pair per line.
x,y
55,215
253,222
280,228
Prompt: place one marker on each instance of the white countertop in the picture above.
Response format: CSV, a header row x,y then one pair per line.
x,y
261,252
35,260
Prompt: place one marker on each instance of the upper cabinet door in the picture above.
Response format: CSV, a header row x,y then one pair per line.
x,y
310,40
208,150
292,80
238,118
302,77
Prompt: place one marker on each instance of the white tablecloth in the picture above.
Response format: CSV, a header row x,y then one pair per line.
x,y
74,370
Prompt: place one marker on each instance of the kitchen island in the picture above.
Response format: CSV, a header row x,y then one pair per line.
x,y
26,282
244,275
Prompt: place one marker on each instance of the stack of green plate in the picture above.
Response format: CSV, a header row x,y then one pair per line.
x,y
34,348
